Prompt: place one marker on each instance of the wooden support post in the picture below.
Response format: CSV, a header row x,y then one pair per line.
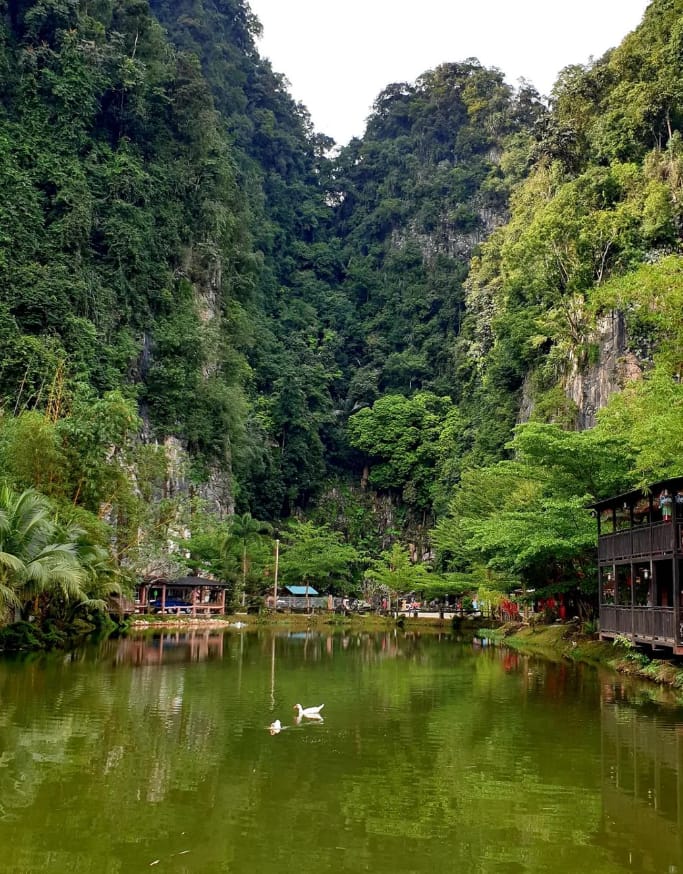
x,y
633,601
679,788
677,599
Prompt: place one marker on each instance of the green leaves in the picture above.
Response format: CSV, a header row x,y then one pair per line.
x,y
528,519
417,195
402,436
40,559
395,572
125,238
245,538
648,418
594,464
317,556
173,234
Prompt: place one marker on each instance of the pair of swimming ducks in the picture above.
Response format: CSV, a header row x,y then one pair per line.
x,y
301,713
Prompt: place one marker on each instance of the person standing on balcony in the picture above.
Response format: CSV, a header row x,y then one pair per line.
x,y
666,505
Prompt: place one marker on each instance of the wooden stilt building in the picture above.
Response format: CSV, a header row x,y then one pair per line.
x,y
640,565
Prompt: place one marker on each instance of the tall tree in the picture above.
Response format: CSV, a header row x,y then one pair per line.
x,y
316,555
244,533
395,573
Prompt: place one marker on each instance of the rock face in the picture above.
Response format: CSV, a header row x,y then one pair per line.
x,y
216,491
448,240
591,385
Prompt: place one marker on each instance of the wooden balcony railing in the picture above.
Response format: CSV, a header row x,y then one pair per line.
x,y
642,623
657,539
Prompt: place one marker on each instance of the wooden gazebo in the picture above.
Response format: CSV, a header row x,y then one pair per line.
x,y
640,555
195,596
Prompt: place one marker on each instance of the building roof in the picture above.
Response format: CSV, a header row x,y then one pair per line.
x,y
187,582
301,590
199,581
674,484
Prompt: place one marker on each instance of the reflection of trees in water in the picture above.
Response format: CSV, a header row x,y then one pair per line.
x,y
520,754
131,732
120,742
473,760
367,648
463,775
642,783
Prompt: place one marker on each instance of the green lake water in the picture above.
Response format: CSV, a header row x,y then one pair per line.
x,y
153,754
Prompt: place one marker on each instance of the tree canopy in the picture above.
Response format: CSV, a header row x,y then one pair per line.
x,y
467,320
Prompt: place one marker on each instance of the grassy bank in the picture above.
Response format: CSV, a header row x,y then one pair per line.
x,y
302,621
567,641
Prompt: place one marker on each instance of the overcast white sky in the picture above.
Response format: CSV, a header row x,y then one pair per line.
x,y
339,54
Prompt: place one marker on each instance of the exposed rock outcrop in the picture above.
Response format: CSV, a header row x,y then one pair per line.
x,y
591,385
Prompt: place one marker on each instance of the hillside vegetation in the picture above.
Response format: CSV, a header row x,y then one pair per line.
x,y
440,341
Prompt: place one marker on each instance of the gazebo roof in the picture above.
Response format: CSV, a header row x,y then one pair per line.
x,y
193,582
188,582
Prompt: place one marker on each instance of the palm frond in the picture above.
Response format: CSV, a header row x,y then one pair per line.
x,y
8,597
12,563
94,604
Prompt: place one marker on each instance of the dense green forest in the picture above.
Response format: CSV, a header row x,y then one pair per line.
x,y
420,355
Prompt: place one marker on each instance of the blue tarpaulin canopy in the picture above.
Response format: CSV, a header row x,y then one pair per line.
x,y
301,590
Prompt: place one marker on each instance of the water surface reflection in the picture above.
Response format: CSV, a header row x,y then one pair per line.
x,y
642,781
433,756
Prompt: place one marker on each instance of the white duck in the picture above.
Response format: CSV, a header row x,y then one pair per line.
x,y
308,712
275,727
